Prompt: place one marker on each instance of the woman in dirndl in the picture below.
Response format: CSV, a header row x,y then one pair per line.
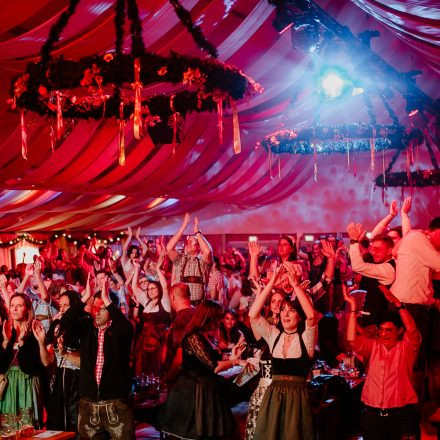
x,y
285,412
22,364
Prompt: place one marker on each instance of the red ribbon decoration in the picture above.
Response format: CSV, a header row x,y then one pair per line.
x,y
236,128
121,135
60,124
219,101
23,136
137,87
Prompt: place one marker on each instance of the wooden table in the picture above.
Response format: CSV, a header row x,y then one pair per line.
x,y
60,436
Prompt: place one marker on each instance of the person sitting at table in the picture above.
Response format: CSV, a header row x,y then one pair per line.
x,y
285,412
388,395
197,407
104,377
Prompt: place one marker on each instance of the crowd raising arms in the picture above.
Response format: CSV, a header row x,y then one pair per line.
x,y
291,331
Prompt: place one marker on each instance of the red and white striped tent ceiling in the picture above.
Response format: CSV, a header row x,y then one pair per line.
x,y
81,186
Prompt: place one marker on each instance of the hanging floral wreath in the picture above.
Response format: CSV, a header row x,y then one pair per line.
x,y
414,179
337,139
88,88
111,85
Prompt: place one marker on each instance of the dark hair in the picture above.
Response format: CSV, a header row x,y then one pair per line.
x,y
207,315
131,248
102,271
365,243
397,229
235,334
293,254
434,224
388,241
74,298
159,287
391,316
228,267
295,305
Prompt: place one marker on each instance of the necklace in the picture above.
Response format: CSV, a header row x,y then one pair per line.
x,y
292,333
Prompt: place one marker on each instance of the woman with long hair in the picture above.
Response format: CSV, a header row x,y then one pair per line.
x,y
285,411
62,408
197,407
229,333
22,361
152,310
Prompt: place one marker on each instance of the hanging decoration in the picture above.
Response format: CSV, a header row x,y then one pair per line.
x,y
418,179
339,139
17,239
110,85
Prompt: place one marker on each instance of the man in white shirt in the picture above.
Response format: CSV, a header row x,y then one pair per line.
x,y
418,258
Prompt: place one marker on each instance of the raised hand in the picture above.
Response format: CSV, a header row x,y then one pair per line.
x,y
29,270
389,296
393,208
257,288
327,249
37,267
305,284
87,291
3,281
406,206
186,220
38,331
355,231
138,232
254,248
196,225
129,232
348,299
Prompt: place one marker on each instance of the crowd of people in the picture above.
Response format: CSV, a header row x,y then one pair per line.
x,y
77,330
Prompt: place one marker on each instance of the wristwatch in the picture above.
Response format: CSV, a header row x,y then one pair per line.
x,y
354,241
198,232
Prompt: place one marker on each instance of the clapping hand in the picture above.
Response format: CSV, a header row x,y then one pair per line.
x,y
355,231
393,208
38,331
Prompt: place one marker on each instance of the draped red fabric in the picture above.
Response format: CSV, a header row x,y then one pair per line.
x,y
80,185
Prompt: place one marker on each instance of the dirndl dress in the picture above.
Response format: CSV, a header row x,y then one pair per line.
x,y
285,412
197,406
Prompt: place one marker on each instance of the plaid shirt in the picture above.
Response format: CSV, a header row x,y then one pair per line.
x,y
193,266
100,354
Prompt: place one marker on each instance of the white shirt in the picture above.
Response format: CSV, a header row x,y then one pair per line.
x,y
416,259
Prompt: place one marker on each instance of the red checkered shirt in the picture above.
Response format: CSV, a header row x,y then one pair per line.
x,y
100,354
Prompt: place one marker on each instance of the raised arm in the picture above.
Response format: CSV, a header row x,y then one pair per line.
x,y
383,272
126,244
4,291
205,247
254,251
171,251
329,252
404,215
255,310
351,323
303,298
46,354
381,226
29,271
44,295
164,284
143,244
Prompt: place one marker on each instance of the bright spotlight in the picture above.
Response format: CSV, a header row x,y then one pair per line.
x,y
334,83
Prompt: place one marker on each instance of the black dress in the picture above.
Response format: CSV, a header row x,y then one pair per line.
x,y
197,407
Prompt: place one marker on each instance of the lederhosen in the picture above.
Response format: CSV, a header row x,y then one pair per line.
x,y
194,279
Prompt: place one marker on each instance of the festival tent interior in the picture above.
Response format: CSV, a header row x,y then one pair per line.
x,y
256,116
